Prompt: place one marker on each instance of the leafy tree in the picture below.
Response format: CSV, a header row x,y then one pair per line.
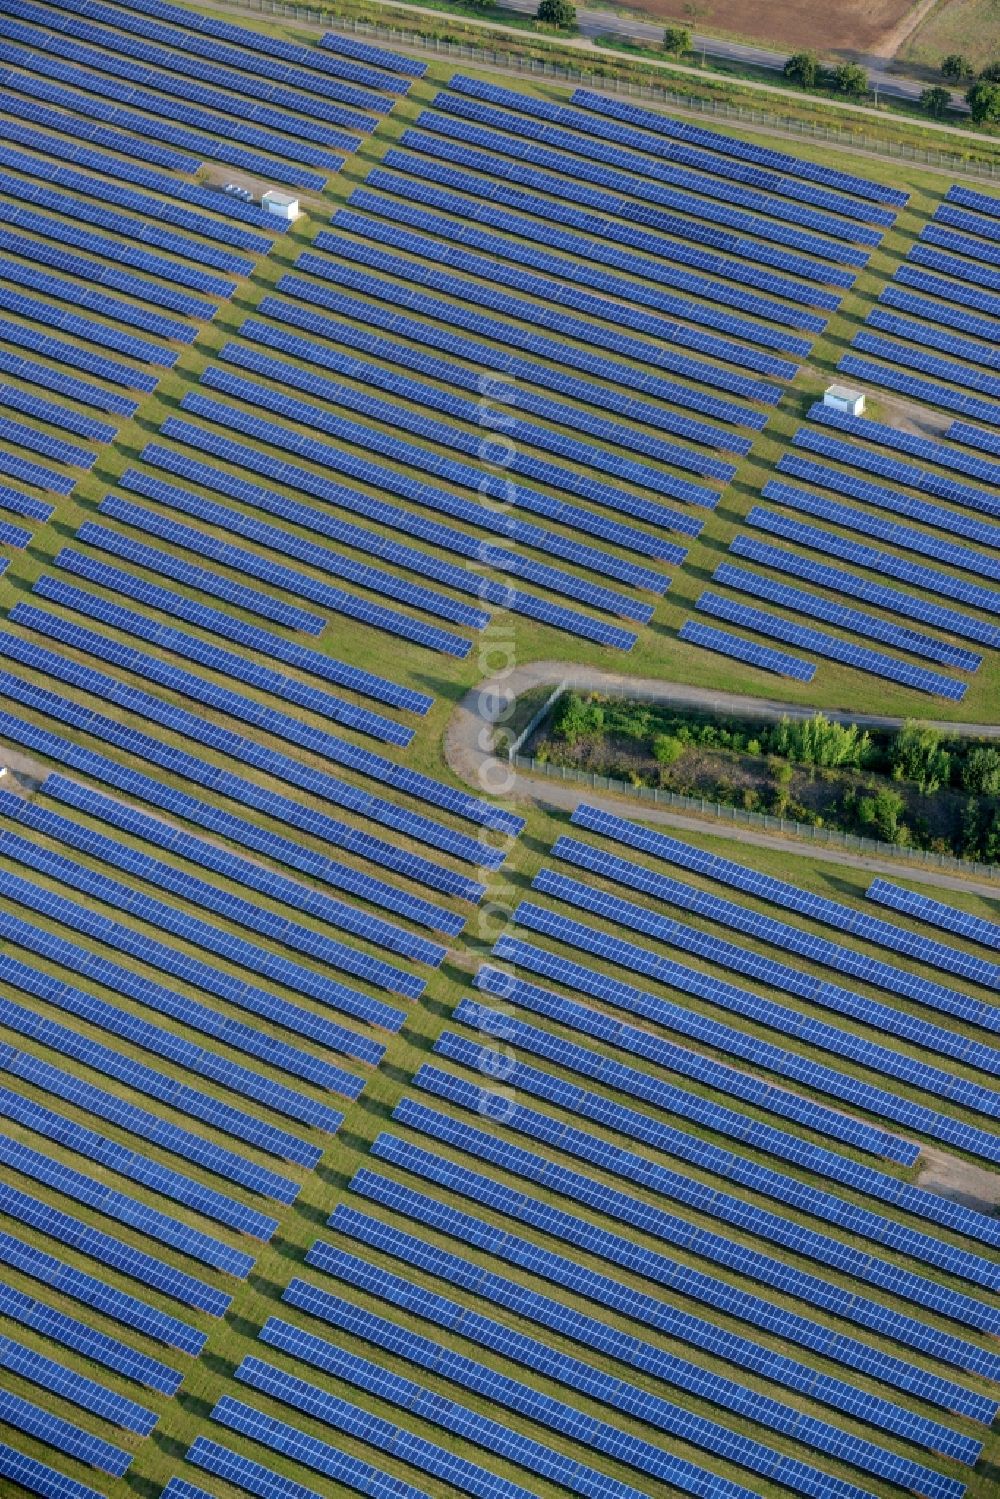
x,y
957,67
577,717
916,755
819,741
677,40
983,100
970,829
557,13
803,68
991,73
881,815
981,771
991,840
850,78
936,101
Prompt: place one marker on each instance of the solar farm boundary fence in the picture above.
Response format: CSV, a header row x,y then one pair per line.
x,y
511,61
723,811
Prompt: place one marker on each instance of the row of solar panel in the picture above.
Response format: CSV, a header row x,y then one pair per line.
x,y
892,468
835,580
258,115
783,183
719,1119
247,873
288,580
415,392
247,834
727,145
264,643
87,69
628,295
597,310
445,538
426,496
604,189
86,329
101,1348
742,1002
875,1057
586,248
702,246
642,166
899,441
494,356
622,1165
590,1332
90,300
935,913
329,830
575,1373
163,1180
262,1090
776,627
903,537
504,1391
459,377
829,912
722,1076
618,1205
167,61
139,230
64,1087
227,663
209,898
165,195
939,312
371,439
75,90
948,290
261,43
363,761
91,273
246,997
857,622
29,370
181,37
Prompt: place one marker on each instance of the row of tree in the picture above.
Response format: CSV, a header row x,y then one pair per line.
x,y
805,69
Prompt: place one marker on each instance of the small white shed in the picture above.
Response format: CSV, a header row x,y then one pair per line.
x,y
281,205
841,398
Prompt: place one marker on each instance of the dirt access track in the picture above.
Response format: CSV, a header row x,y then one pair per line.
x,y
855,28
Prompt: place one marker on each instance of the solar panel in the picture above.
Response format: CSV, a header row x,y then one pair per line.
x,y
877,1100
726,644
633,1169
592,251
744,150
85,1340
935,913
654,1267
718,1118
818,908
78,1389
906,442
870,626
442,1311
38,1478
685,1062
255,673
329,830
599,1289
928,391
835,580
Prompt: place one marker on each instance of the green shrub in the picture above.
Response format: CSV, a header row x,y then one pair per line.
x,y
916,754
557,13
576,717
667,749
981,771
881,813
803,68
819,741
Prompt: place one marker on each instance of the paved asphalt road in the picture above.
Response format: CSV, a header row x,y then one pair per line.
x,y
601,22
